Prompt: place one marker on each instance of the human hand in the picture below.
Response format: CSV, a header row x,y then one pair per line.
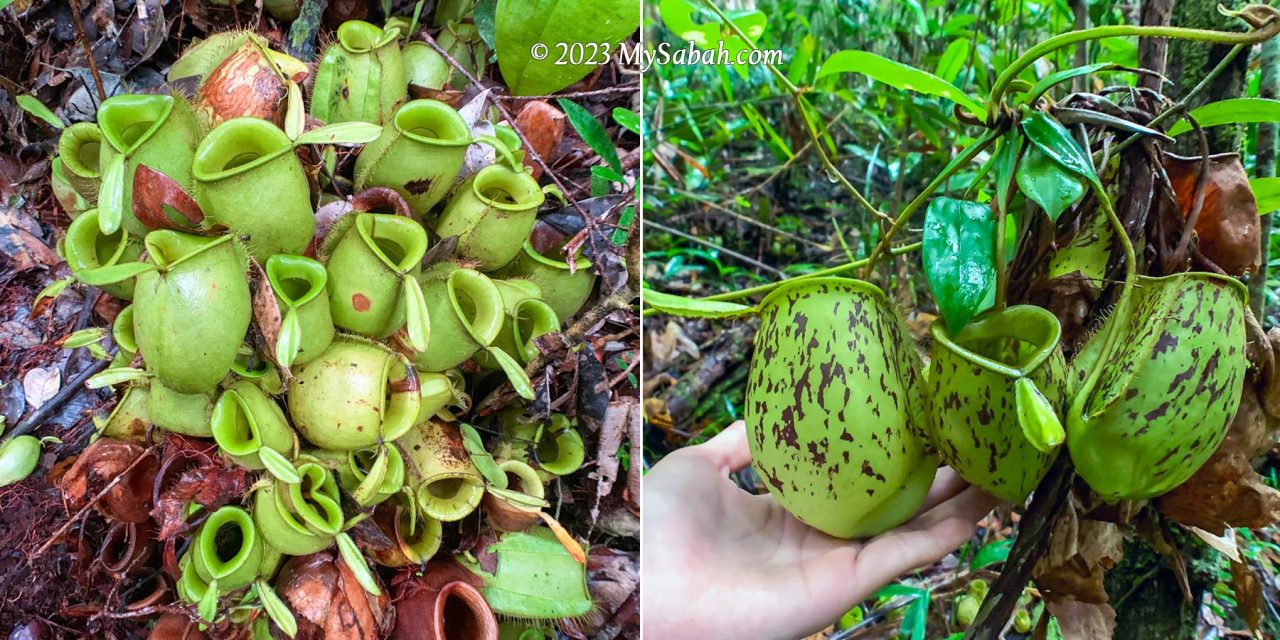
x,y
722,563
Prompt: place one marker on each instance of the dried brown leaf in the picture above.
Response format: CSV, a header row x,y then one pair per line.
x,y
1228,225
156,194
543,127
329,603
1083,620
40,384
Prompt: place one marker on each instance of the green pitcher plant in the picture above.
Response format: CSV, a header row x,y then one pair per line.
x,y
466,314
560,450
130,419
192,311
1172,386
564,290
302,517
299,285
249,365
372,265
447,485
492,214
516,506
246,422
227,549
80,149
105,260
159,131
360,76
833,407
122,335
68,198
527,319
996,389
249,180
371,475
419,154
355,395
414,537
190,414
444,395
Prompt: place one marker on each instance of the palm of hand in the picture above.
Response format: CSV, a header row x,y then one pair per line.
x,y
720,562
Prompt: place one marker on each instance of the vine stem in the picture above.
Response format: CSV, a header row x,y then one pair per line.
x,y
768,288
798,96
1260,33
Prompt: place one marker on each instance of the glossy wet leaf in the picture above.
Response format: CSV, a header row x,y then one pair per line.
x,y
592,133
417,320
1040,423
289,340
959,257
208,605
1056,142
898,75
1005,165
277,609
111,196
628,119
1048,183
279,466
557,24
480,457
1052,79
1231,111
519,379
342,133
693,307
355,561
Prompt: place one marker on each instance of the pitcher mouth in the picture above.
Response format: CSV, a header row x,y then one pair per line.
x,y
432,122
358,36
580,263
88,248
296,278
169,249
79,147
399,243
502,188
450,497
473,297
237,146
127,121
530,319
1024,323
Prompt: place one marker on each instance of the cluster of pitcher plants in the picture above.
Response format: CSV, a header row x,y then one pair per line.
x,y
330,345
848,421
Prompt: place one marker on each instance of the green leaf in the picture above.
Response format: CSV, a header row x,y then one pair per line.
x,y
417,320
289,340
1231,111
990,554
1056,142
1048,183
373,479
84,338
114,376
692,307
954,59
113,273
276,609
627,119
279,466
898,75
37,109
1005,166
295,115
1040,423
208,605
485,15
592,132
959,257
342,133
516,497
111,196
356,562
570,31
519,379
1048,81
619,236
54,290
1266,191
480,457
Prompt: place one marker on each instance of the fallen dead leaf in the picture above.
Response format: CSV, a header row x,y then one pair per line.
x,y
1083,620
1079,555
329,603
40,384
543,126
104,461
1228,225
156,196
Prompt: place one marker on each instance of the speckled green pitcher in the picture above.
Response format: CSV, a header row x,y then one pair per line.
x,y
448,487
361,75
192,312
1163,402
156,130
248,179
996,392
834,409
492,214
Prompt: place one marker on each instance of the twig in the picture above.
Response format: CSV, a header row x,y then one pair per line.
x,y
68,390
88,50
622,88
589,318
53,539
650,224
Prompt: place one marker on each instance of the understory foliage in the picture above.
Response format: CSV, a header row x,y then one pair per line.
x,y
910,144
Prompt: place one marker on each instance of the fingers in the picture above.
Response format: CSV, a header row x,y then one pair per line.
x,y
946,485
727,451
924,540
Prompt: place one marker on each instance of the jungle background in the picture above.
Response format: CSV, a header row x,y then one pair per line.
x,y
58,60
737,194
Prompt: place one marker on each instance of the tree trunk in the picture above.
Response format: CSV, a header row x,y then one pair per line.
x,y
1269,87
1190,62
